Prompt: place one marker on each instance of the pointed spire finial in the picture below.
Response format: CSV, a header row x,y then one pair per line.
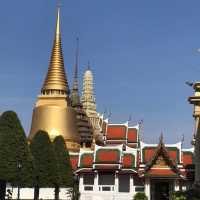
x,y
161,138
58,3
75,94
58,22
58,17
88,67
130,118
76,59
56,78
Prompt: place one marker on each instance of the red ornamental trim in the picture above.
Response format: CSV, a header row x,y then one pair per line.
x,y
161,172
107,156
106,167
86,160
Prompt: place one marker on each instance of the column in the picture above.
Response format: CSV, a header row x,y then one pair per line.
x,y
147,188
132,188
96,180
176,185
116,189
81,185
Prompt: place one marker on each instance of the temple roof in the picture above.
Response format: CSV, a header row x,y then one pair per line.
x,y
161,160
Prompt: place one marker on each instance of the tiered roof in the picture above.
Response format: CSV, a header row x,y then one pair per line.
x,y
122,151
120,133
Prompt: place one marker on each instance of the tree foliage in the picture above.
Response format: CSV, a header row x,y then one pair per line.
x,y
140,196
45,167
14,151
64,168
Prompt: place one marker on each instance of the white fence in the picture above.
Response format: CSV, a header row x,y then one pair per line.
x,y
45,193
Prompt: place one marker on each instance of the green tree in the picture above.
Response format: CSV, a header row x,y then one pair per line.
x,y
45,166
14,152
64,169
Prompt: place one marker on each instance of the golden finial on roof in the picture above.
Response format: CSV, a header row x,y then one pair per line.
x,y
56,78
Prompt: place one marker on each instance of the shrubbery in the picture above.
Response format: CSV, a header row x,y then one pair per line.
x,y
179,196
140,196
187,195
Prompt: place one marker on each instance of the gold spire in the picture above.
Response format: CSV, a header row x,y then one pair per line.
x,y
56,78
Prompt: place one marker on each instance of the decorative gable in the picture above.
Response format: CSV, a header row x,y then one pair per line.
x,y
148,153
161,164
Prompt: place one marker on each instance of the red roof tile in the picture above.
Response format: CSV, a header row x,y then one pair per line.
x,y
187,158
128,161
116,132
105,156
74,161
132,135
161,172
86,160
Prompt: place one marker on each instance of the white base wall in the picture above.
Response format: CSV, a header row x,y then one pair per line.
x,y
106,196
45,193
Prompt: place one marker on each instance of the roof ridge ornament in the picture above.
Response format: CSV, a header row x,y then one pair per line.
x,y
88,66
161,139
58,4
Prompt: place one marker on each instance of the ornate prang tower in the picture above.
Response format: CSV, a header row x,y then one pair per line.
x,y
88,100
195,100
52,112
84,128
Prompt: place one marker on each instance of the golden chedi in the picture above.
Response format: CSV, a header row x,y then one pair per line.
x,y
52,112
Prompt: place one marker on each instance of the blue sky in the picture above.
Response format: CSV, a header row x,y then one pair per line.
x,y
141,53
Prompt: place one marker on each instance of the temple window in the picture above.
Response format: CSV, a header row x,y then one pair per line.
x,y
88,182
139,184
106,181
124,182
88,179
106,178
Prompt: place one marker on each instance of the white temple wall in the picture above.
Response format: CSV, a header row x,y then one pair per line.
x,y
107,186
147,188
45,193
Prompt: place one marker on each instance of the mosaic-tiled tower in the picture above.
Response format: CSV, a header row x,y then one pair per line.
x,y
88,100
